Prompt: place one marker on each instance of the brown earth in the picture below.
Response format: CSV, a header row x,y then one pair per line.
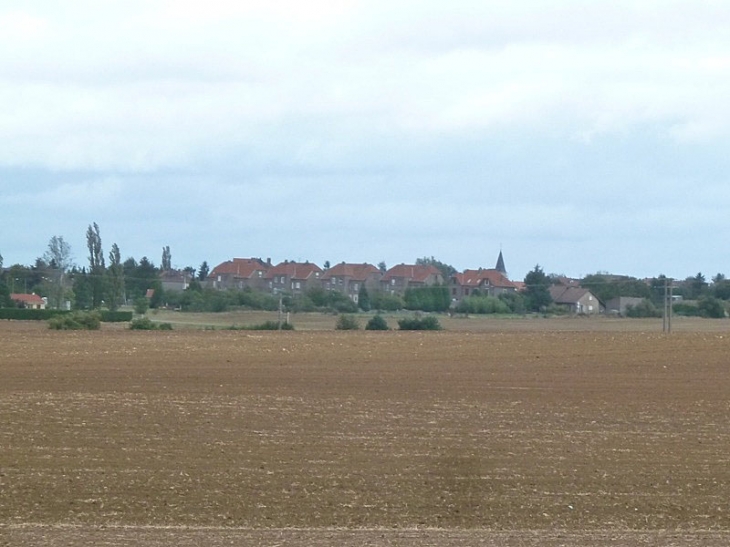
x,y
514,437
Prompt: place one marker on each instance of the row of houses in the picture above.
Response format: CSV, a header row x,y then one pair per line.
x,y
298,277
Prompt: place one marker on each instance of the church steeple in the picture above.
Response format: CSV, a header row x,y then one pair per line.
x,y
500,264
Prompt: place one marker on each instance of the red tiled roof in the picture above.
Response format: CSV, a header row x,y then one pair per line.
x,y
356,272
413,272
294,270
475,278
240,267
33,299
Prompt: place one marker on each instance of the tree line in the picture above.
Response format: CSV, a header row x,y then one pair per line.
x,y
109,282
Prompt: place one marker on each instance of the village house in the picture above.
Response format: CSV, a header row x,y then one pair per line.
x,y
293,277
349,279
409,276
487,282
576,299
30,301
175,280
239,273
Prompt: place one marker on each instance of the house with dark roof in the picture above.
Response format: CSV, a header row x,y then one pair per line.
x,y
489,282
577,300
175,280
293,277
408,276
350,278
239,273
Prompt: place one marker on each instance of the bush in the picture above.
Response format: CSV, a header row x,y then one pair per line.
x,y
141,305
711,307
377,322
108,316
76,321
384,301
266,325
347,322
142,323
416,323
482,305
645,308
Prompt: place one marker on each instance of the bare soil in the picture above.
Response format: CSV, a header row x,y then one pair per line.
x,y
472,437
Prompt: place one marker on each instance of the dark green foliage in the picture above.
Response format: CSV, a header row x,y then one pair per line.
x,y
266,325
447,270
429,322
711,307
482,305
707,306
142,323
537,290
363,299
347,322
721,289
81,289
138,277
97,267
158,294
427,299
5,301
78,320
377,322
141,305
606,287
27,314
694,287
115,316
514,301
203,271
384,301
644,309
115,277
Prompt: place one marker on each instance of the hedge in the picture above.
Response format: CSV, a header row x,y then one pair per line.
x,y
27,314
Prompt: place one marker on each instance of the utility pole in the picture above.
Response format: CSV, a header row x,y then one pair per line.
x,y
664,311
667,316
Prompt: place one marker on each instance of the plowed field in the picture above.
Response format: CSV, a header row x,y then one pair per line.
x,y
447,438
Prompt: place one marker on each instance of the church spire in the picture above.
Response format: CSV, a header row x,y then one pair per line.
x,y
500,264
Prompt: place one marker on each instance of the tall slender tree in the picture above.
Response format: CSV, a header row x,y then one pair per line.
x,y
115,274
96,265
203,271
58,261
166,259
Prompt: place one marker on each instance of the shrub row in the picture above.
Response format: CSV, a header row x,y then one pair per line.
x,y
78,320
417,323
144,323
266,325
27,314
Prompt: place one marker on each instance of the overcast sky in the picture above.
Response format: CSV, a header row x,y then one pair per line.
x,y
583,136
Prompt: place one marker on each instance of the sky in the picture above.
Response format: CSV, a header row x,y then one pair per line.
x,y
581,136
